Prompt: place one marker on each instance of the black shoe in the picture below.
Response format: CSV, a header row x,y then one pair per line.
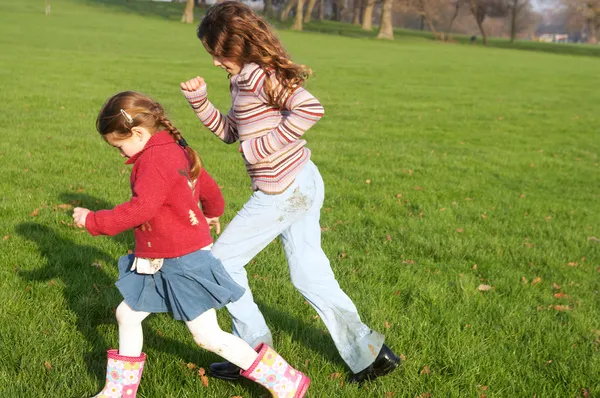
x,y
225,371
385,362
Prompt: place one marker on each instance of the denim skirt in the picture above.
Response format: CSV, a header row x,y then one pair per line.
x,y
186,286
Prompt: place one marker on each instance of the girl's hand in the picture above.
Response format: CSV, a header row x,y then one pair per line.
x,y
193,84
79,215
214,222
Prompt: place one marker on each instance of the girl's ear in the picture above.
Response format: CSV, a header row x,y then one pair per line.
x,y
139,132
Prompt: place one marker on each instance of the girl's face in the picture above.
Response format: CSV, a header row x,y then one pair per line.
x,y
131,145
232,67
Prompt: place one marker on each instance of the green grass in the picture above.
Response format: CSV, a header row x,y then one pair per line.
x,y
473,155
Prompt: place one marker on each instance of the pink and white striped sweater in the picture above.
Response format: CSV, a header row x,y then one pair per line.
x,y
270,137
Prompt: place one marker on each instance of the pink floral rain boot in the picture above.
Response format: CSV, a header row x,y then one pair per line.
x,y
123,375
272,372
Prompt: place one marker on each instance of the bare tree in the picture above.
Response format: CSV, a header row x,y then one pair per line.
x,y
517,8
188,12
297,25
268,8
309,9
357,6
285,12
585,14
322,10
457,4
367,20
483,8
429,10
386,28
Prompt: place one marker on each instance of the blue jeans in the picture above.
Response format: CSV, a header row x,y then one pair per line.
x,y
294,214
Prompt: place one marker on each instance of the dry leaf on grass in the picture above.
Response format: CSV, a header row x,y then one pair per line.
x,y
204,381
425,370
536,281
484,288
562,308
201,371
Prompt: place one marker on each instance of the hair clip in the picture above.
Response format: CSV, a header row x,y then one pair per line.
x,y
182,142
128,118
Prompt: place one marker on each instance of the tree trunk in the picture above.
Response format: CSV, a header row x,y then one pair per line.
x,y
188,12
456,11
483,35
356,12
513,21
286,10
321,10
367,22
298,20
386,29
592,31
309,9
268,9
479,15
431,27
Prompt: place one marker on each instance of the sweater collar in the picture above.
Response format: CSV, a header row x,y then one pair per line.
x,y
163,137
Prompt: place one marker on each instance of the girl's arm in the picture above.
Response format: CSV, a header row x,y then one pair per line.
x,y
149,193
223,126
209,195
304,111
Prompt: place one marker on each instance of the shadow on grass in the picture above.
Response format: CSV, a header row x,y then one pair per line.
x,y
90,294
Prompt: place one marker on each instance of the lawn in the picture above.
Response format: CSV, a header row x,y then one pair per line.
x,y
462,212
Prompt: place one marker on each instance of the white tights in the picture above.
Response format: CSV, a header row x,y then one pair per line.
x,y
205,330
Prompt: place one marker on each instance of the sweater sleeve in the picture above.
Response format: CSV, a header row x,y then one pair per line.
x,y
303,111
223,126
210,196
148,194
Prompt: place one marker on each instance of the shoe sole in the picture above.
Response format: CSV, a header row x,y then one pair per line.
x,y
222,377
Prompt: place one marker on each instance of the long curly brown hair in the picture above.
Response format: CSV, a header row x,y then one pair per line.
x,y
233,30
144,112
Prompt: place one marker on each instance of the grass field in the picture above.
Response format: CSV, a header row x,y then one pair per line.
x,y
447,167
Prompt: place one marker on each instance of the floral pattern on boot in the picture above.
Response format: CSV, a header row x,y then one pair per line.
x,y
123,375
273,372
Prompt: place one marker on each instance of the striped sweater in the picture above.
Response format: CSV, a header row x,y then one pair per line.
x,y
270,138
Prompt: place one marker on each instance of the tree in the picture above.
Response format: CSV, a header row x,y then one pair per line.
x,y
457,4
297,25
586,15
188,12
386,28
285,12
367,22
357,5
517,8
309,9
429,10
480,9
268,8
322,10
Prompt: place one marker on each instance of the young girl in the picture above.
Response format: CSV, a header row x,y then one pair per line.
x,y
270,113
172,268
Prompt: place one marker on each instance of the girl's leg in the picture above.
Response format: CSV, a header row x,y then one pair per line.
x,y
125,366
312,275
263,366
131,337
208,335
260,221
